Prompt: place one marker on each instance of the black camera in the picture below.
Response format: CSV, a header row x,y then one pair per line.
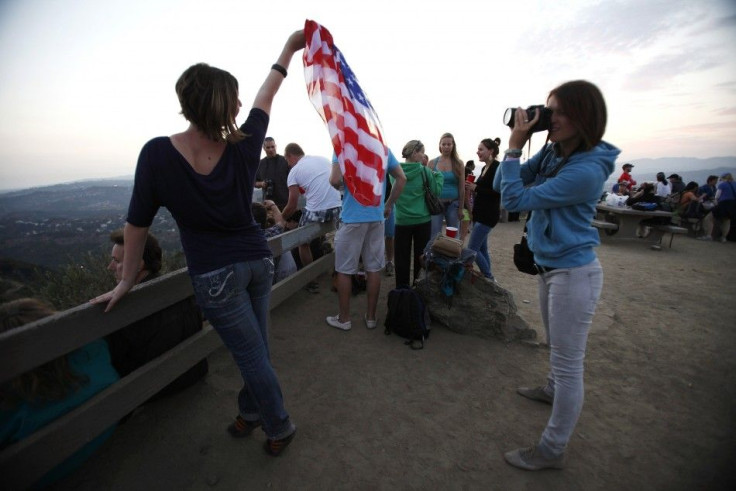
x,y
545,117
268,186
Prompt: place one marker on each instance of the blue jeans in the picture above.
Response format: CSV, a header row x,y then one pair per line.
x,y
234,299
479,243
449,215
567,298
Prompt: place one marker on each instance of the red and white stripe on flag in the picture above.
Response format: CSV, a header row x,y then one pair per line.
x,y
351,120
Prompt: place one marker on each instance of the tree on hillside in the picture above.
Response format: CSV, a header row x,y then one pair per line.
x,y
85,278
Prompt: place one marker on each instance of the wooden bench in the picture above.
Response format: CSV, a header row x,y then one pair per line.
x,y
693,225
668,229
609,228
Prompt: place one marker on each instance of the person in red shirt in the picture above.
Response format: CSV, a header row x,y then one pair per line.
x,y
626,175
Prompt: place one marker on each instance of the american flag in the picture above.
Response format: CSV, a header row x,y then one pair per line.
x,y
351,120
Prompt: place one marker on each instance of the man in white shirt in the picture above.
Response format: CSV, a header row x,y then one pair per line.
x,y
310,175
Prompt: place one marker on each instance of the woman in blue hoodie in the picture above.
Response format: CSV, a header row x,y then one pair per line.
x,y
561,186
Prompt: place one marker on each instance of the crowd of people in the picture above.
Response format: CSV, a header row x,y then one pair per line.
x,y
712,206
206,177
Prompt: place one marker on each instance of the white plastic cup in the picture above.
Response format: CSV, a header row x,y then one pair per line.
x,y
451,232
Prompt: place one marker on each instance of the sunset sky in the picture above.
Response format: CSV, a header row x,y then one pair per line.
x,y
83,85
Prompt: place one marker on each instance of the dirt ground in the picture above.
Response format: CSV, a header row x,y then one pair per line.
x,y
660,403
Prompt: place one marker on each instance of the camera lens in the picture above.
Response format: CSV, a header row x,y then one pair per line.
x,y
508,117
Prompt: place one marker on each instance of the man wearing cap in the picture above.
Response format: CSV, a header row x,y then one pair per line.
x,y
626,176
677,185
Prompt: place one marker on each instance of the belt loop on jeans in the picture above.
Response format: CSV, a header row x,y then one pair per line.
x,y
543,269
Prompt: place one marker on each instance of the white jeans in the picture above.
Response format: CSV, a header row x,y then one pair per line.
x,y
567,298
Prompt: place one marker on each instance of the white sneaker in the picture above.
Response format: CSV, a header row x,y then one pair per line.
x,y
723,240
370,324
334,321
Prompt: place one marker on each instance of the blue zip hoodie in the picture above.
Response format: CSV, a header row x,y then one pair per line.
x,y
559,233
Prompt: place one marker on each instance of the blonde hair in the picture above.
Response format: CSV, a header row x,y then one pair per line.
x,y
411,147
458,168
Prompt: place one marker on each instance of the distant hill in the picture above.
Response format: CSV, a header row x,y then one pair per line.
x,y
82,198
52,225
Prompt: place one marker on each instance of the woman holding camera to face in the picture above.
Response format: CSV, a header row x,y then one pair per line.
x,y
561,186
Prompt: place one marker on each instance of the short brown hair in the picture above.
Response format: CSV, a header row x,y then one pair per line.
x,y
583,103
209,99
152,254
293,149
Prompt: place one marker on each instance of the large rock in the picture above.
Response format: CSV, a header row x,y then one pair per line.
x,y
479,307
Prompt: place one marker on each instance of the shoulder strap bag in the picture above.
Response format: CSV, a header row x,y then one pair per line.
x,y
434,204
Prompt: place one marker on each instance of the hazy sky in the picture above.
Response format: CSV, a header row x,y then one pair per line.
x,y
83,85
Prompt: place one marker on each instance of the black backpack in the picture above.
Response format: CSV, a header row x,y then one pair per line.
x,y
407,316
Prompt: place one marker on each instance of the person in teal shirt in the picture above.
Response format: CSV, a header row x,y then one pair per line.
x,y
32,400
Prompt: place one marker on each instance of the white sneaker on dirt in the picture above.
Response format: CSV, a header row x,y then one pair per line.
x,y
334,321
370,324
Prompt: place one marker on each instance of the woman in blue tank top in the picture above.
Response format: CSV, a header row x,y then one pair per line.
x,y
453,189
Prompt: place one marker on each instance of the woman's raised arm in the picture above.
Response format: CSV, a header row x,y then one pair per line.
x,y
264,97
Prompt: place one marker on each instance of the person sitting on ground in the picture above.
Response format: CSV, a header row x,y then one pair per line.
x,y
284,265
40,396
664,188
310,173
136,344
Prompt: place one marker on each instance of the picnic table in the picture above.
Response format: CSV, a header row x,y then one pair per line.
x,y
623,222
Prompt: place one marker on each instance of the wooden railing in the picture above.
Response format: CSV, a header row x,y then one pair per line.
x,y
32,345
